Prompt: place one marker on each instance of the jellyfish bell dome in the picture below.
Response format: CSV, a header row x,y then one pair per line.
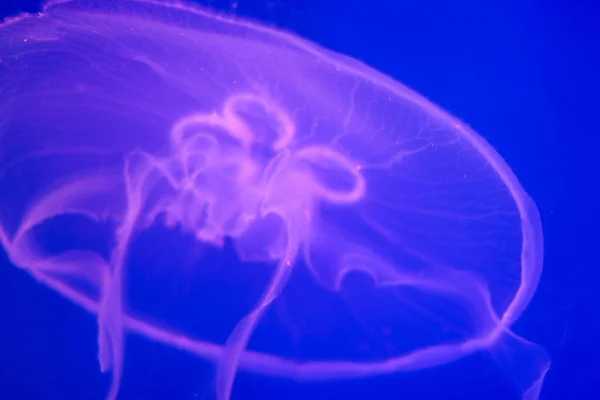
x,y
398,238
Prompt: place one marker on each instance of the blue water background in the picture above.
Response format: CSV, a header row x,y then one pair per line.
x,y
524,74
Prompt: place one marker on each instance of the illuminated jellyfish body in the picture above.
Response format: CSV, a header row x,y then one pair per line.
x,y
147,113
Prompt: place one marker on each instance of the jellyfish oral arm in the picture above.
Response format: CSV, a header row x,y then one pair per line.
x,y
111,331
239,337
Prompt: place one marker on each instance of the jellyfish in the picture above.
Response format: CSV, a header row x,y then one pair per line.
x,y
296,158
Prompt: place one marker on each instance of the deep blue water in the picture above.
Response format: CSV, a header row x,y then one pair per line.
x,y
523,74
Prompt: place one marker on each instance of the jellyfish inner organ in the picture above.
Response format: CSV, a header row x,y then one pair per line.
x,y
221,186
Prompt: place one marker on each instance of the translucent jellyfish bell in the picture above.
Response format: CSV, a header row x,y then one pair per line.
x,y
148,113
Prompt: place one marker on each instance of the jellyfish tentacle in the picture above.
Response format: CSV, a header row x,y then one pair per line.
x,y
110,317
239,337
111,331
